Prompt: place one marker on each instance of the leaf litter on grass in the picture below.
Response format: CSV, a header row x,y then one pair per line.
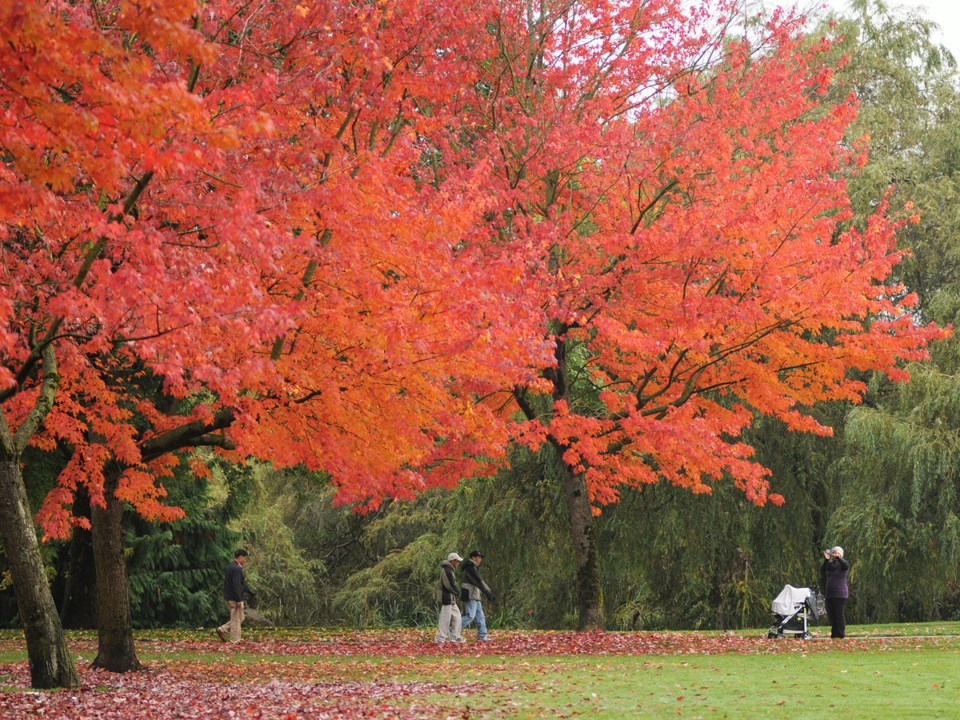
x,y
407,643
188,693
387,674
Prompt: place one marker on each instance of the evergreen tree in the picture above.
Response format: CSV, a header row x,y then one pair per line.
x,y
175,569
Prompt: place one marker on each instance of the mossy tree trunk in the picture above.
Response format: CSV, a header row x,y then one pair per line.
x,y
51,664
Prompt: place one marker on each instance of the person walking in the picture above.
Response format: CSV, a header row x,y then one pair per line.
x,y
471,589
834,572
234,590
448,628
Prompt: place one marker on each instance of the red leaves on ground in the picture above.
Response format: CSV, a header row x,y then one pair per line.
x,y
417,643
173,694
356,674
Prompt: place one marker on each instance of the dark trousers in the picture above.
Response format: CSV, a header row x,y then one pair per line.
x,y
838,623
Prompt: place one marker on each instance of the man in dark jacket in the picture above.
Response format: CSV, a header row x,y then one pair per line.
x,y
449,626
234,590
473,586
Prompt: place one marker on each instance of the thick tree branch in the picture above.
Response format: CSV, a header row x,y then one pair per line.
x,y
308,276
6,439
523,400
194,434
41,408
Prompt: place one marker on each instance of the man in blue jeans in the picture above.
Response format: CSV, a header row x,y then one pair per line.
x,y
471,589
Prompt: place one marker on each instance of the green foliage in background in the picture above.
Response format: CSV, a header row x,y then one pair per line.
x,y
900,481
176,569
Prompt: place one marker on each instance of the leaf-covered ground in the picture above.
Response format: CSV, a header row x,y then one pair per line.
x,y
289,675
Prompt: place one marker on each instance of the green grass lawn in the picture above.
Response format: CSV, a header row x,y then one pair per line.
x,y
903,671
896,684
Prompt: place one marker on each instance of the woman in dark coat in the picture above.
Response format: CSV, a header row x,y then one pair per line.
x,y
836,591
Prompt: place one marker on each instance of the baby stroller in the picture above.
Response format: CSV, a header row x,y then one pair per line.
x,y
793,608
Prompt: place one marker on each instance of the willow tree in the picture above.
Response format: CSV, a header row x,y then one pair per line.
x,y
906,85
899,509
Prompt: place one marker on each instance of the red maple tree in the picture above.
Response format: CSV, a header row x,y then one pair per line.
x,y
224,228
678,190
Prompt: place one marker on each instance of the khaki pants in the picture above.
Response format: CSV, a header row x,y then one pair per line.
x,y
449,626
232,626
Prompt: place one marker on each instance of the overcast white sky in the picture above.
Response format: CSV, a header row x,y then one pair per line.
x,y
945,13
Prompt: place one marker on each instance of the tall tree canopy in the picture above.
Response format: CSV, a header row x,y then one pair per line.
x,y
275,178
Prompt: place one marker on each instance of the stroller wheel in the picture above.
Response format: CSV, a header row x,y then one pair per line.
x,y
771,634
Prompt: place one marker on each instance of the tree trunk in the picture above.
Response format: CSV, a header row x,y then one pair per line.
x,y
115,651
51,664
588,589
78,601
589,595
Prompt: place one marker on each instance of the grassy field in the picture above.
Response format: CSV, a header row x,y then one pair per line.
x,y
898,684
897,671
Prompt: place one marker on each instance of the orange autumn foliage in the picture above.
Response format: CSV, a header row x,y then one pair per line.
x,y
683,190
223,218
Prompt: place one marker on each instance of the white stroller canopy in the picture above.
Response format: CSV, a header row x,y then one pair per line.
x,y
789,598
